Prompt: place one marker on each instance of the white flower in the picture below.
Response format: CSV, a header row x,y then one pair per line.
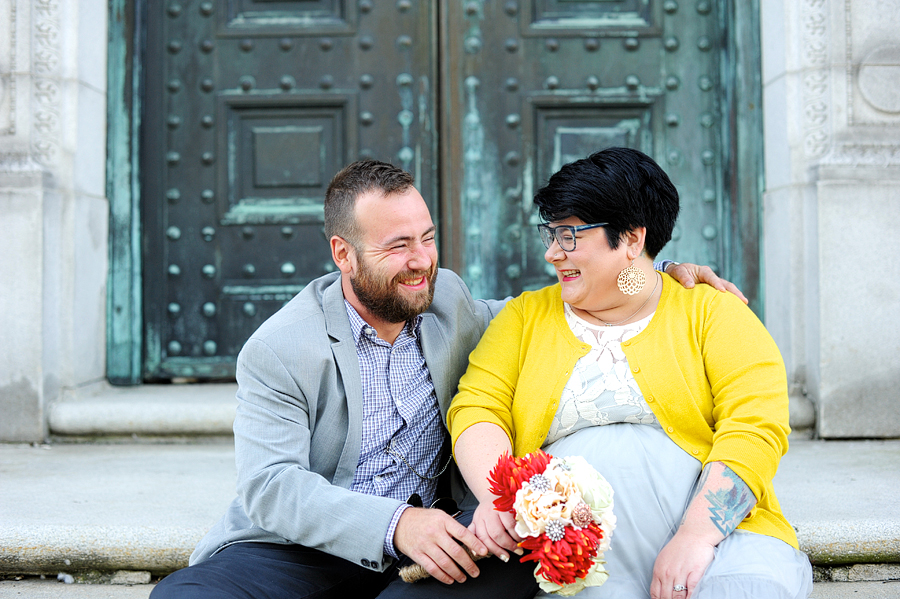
x,y
593,488
596,576
597,493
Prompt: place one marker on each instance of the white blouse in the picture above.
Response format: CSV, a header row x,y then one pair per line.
x,y
601,389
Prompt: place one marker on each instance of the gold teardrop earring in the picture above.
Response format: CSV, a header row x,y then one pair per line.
x,y
631,280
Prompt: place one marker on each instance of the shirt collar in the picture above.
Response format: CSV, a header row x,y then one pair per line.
x,y
361,329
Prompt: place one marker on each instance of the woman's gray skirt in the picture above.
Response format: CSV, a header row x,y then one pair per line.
x,y
653,480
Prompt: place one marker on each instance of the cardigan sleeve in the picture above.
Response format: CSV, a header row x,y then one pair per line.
x,y
487,388
749,387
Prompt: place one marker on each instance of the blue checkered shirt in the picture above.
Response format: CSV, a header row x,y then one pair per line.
x,y
400,418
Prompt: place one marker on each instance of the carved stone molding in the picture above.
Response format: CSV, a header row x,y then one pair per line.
x,y
45,62
8,79
863,154
872,63
816,80
879,78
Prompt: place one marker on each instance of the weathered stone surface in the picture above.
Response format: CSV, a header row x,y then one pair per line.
x,y
841,499
146,410
866,572
82,508
856,590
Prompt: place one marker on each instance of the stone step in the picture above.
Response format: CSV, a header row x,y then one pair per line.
x,y
103,410
52,589
108,507
79,507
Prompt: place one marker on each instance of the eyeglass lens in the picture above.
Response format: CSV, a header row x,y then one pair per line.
x,y
564,234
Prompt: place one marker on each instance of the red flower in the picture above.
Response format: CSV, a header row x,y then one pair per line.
x,y
508,475
568,559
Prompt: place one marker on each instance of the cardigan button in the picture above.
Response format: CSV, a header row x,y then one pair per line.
x,y
695,451
635,369
649,399
670,429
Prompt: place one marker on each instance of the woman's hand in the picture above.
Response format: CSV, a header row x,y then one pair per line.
x,y
682,562
496,530
720,502
477,450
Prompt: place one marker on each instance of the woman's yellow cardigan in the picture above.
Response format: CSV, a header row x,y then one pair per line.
x,y
705,364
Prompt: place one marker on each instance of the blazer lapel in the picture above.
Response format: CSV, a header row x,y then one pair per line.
x,y
343,348
435,348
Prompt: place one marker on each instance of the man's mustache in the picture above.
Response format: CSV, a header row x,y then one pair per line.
x,y
413,274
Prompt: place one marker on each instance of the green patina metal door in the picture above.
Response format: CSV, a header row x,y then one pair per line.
x,y
529,86
252,105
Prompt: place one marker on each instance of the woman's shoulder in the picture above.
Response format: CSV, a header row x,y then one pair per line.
x,y
538,300
701,295
704,306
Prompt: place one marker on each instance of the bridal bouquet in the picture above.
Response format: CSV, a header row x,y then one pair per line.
x,y
564,514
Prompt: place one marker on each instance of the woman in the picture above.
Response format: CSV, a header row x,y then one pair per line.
x,y
677,396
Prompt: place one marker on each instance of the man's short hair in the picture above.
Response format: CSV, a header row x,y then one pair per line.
x,y
349,184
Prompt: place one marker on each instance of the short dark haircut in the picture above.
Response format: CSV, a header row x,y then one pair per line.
x,y
619,186
349,184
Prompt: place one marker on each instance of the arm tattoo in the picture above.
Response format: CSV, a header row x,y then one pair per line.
x,y
727,507
728,504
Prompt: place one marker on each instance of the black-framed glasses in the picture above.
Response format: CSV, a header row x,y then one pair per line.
x,y
564,234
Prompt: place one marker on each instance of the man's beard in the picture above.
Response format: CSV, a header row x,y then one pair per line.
x,y
384,300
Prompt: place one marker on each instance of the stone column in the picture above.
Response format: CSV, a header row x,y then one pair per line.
x,y
53,209
831,72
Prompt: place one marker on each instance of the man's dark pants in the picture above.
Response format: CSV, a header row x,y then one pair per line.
x,y
271,571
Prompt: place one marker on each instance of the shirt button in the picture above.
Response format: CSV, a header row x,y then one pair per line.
x,y
366,563
670,429
369,331
377,478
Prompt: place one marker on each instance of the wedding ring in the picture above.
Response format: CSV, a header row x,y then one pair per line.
x,y
679,587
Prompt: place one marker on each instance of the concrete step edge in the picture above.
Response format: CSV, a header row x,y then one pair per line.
x,y
850,542
103,409
41,549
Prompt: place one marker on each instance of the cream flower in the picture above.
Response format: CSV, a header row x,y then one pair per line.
x,y
535,509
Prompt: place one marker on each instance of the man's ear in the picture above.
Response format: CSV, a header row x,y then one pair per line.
x,y
634,241
343,254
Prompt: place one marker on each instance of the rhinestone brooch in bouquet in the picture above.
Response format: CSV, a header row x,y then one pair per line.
x,y
564,514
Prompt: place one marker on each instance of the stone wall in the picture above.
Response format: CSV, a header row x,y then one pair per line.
x,y
53,255
831,72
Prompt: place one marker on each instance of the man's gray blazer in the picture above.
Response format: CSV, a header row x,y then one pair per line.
x,y
298,425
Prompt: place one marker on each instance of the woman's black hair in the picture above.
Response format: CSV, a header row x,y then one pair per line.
x,y
619,186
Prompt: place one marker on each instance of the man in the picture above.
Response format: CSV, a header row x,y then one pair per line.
x,y
341,400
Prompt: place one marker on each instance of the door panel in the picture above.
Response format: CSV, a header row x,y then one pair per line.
x,y
541,83
253,106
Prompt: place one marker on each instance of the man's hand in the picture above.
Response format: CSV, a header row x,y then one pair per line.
x,y
497,530
690,274
432,539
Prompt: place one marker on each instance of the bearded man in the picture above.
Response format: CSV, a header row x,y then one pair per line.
x,y
339,434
